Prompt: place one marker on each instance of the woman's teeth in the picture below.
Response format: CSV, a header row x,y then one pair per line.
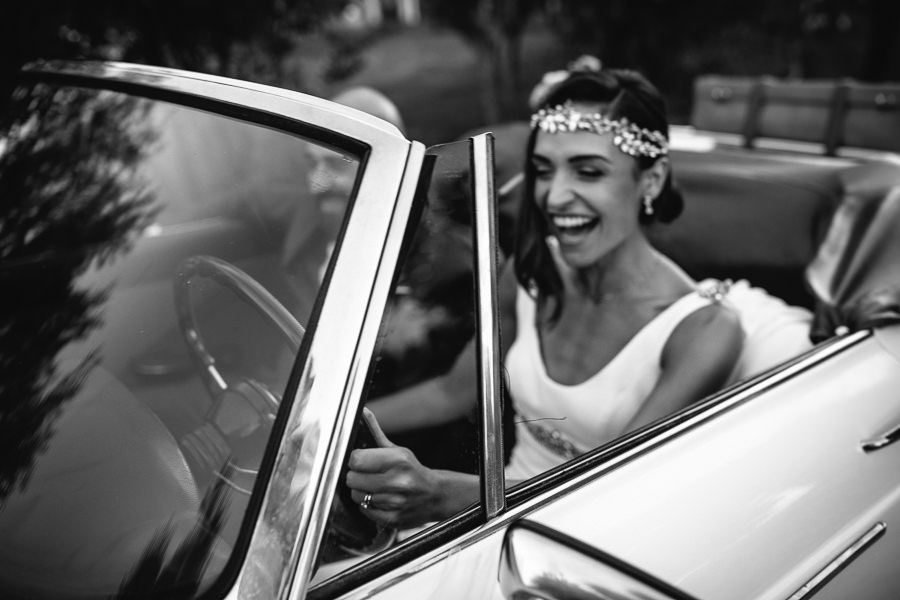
x,y
573,224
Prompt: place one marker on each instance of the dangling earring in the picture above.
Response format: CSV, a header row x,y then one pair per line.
x,y
648,205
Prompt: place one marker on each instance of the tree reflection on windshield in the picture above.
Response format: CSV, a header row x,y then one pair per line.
x,y
71,200
165,573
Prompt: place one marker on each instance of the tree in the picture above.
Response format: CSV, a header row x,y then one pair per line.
x,y
495,29
71,199
671,45
881,59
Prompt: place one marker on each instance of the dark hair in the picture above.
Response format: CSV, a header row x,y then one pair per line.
x,y
623,94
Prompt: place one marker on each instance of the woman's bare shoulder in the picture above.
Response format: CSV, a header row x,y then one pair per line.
x,y
712,334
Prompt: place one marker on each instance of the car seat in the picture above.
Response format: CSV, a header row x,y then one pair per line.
x,y
855,275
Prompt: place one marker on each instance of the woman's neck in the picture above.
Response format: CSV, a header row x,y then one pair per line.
x,y
634,271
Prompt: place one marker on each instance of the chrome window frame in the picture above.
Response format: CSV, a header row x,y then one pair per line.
x,y
493,481
491,462
290,522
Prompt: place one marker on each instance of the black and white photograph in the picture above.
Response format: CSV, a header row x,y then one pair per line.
x,y
450,300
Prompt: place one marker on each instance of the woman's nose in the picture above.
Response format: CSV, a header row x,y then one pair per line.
x,y
559,192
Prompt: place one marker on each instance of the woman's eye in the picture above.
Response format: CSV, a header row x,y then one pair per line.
x,y
542,172
590,172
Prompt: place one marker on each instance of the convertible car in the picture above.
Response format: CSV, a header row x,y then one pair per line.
x,y
205,280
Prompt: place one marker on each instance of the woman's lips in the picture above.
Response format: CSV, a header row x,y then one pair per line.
x,y
571,228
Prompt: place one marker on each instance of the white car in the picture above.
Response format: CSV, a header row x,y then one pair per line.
x,y
204,280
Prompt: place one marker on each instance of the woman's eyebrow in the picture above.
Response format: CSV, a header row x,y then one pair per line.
x,y
576,158
589,158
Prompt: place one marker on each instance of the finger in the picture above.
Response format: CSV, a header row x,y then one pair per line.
x,y
359,496
561,265
381,460
378,501
369,482
385,518
380,438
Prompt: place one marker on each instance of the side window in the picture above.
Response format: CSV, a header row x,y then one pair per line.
x,y
428,325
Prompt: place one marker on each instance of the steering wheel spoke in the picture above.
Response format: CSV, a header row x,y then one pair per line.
x,y
231,441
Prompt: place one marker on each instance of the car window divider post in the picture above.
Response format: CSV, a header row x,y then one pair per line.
x,y
488,330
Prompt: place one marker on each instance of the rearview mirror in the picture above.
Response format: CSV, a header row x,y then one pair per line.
x,y
540,563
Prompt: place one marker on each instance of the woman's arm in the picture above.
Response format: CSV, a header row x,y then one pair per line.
x,y
448,397
401,491
696,361
431,402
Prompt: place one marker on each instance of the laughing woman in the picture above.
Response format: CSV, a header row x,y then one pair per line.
x,y
602,333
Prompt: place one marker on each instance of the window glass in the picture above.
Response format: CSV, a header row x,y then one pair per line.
x,y
140,381
429,321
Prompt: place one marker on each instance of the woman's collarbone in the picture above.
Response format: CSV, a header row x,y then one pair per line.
x,y
575,350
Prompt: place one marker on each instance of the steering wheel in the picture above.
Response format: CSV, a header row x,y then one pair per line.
x,y
240,408
229,444
248,290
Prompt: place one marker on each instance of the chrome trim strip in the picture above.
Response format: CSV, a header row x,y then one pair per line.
x,y
632,447
294,509
840,561
283,103
348,407
655,436
667,428
492,480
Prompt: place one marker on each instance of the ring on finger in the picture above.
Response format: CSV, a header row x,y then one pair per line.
x,y
366,501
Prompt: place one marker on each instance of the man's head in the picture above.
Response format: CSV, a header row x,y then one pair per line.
x,y
371,101
333,175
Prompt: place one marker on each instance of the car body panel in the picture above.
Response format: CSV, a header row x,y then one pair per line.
x,y
727,491
719,530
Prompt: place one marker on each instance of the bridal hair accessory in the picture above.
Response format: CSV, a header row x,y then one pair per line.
x,y
628,137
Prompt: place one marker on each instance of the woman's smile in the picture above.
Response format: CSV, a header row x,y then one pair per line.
x,y
573,229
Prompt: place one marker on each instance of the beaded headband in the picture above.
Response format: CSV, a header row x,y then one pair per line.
x,y
628,137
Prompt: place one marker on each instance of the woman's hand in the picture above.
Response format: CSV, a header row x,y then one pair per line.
x,y
390,484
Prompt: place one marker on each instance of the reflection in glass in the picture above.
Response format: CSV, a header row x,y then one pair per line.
x,y
72,198
102,405
539,562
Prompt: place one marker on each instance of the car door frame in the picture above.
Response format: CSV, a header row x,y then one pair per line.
x,y
278,556
491,459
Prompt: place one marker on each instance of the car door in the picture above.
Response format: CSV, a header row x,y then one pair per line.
x,y
777,488
156,307
773,494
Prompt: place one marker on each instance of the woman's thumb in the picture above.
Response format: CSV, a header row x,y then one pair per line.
x,y
380,438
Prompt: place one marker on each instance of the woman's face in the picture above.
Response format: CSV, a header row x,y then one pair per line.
x,y
589,191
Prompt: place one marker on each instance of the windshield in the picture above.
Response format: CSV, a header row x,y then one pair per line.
x,y
159,265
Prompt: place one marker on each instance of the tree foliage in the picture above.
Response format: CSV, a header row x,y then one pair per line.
x,y
495,27
213,36
71,199
673,42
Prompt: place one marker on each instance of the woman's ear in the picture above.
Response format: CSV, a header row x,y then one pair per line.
x,y
653,179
